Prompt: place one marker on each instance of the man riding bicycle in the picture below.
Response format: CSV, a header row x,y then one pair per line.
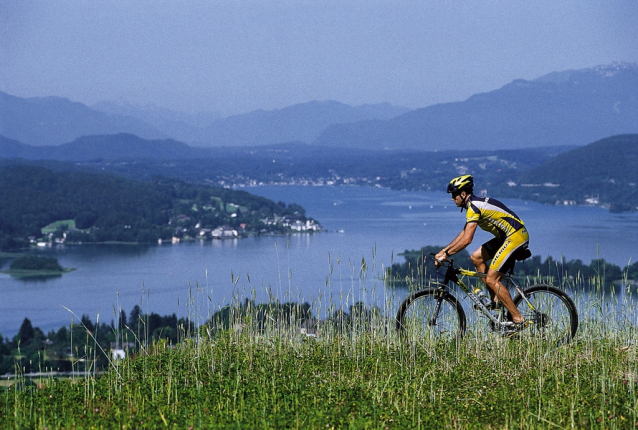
x,y
509,233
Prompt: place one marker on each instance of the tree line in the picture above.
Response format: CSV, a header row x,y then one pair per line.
x,y
88,345
75,347
419,266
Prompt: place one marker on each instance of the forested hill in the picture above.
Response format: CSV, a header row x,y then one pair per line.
x,y
603,172
119,147
99,207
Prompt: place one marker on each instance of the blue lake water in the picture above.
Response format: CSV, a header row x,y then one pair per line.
x,y
365,226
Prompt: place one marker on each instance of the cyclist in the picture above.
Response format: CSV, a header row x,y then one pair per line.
x,y
509,233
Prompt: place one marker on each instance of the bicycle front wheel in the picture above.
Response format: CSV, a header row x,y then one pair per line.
x,y
430,314
551,311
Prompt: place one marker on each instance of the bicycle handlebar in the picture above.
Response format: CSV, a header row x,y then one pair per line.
x,y
447,260
451,272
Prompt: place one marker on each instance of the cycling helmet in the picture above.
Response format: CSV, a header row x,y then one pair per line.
x,y
462,183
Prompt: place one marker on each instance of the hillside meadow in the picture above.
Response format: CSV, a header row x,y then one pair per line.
x,y
256,370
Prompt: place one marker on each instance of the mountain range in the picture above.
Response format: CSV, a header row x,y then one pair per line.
x,y
564,108
559,109
54,121
301,122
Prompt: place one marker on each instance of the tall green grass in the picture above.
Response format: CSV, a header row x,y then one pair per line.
x,y
259,370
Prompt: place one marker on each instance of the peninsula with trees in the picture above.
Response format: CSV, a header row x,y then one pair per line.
x,y
43,206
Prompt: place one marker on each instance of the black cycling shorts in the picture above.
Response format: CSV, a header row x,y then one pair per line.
x,y
501,249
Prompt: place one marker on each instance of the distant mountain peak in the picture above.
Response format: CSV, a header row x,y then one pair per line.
x,y
616,68
604,71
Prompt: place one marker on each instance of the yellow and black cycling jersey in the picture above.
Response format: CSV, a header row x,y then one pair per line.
x,y
492,216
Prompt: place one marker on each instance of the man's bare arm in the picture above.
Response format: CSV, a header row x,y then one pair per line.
x,y
460,242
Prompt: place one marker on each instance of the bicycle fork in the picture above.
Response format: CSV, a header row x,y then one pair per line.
x,y
435,314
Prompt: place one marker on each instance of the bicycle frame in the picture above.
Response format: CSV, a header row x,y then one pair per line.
x,y
452,275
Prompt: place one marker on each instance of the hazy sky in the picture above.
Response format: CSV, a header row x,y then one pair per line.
x,y
234,56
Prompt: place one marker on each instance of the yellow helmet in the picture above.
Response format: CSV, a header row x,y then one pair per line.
x,y
462,183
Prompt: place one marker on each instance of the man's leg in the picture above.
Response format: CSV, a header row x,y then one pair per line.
x,y
479,257
484,253
500,262
502,295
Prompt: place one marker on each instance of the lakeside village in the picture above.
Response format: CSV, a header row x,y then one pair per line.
x,y
61,232
285,224
414,180
380,182
282,224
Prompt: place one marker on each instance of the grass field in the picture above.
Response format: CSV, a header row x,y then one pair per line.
x,y
276,377
69,224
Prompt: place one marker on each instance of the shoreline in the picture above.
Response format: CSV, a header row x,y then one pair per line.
x,y
158,243
22,274
558,203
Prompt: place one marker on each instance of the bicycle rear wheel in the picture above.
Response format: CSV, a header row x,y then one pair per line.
x,y
552,313
429,315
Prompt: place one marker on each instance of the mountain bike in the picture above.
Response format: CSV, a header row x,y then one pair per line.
x,y
436,313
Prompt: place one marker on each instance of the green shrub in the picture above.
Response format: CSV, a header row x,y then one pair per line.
x,y
34,262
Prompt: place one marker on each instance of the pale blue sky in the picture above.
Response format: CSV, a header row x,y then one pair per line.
x,y
234,56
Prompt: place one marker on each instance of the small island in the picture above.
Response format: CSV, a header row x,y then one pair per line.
x,y
31,266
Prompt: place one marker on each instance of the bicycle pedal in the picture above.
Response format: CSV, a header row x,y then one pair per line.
x,y
513,329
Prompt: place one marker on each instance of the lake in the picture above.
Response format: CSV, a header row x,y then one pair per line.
x,y
366,230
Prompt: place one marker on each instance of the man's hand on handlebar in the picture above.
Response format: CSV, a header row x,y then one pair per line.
x,y
440,258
